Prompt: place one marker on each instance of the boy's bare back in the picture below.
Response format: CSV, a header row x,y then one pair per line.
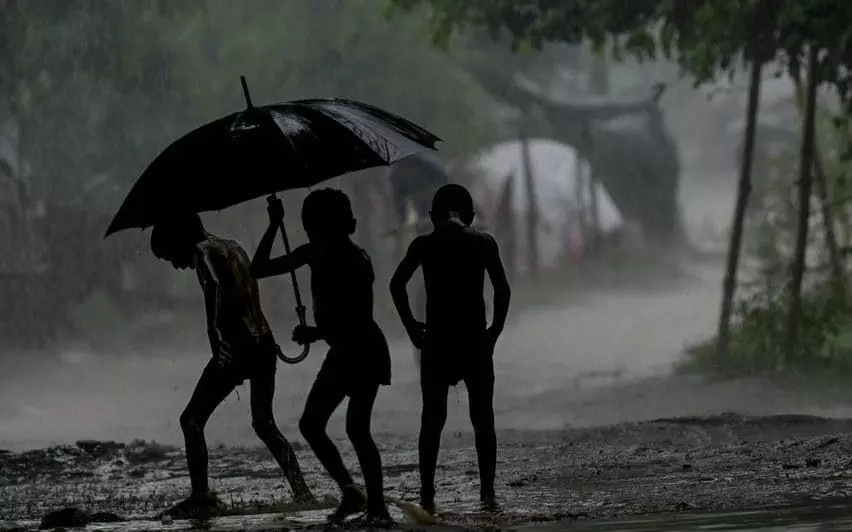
x,y
232,294
455,260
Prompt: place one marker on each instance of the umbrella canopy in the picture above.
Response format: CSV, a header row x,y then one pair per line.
x,y
264,150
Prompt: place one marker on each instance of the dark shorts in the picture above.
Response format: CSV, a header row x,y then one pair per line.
x,y
353,370
253,358
445,368
449,361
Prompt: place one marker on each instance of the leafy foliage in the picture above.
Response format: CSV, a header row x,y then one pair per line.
x,y
706,36
99,88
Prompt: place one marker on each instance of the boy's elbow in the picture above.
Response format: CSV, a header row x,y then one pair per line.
x,y
504,290
396,283
395,288
257,271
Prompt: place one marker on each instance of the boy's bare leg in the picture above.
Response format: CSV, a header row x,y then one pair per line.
x,y
358,417
433,417
213,387
480,391
323,399
263,421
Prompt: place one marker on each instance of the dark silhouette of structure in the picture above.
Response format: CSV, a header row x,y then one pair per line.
x,y
243,349
636,161
456,342
358,361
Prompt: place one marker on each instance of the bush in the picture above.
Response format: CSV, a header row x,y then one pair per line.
x,y
824,341
824,335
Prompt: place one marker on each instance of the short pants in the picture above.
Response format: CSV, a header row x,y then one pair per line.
x,y
256,357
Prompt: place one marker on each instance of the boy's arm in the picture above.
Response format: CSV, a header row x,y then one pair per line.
x,y
502,292
399,284
264,266
260,261
210,273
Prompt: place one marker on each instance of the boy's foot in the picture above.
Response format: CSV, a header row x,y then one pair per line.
x,y
305,497
427,499
352,502
197,507
488,503
376,519
428,504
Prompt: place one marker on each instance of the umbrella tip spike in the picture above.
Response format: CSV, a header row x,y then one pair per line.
x,y
246,92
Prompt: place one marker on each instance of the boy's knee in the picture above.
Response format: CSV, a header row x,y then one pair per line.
x,y
481,412
190,422
482,420
264,426
310,429
357,432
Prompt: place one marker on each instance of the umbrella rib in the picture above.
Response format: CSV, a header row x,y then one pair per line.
x,y
354,134
340,117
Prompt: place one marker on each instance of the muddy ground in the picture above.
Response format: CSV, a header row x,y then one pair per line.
x,y
724,462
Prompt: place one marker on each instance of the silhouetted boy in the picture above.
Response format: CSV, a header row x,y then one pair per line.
x,y
243,348
456,342
358,361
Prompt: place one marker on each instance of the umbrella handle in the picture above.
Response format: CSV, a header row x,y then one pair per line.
x,y
300,308
305,348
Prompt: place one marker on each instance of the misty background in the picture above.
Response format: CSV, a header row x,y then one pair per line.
x,y
616,255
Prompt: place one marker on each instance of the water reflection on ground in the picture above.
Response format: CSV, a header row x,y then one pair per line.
x,y
817,516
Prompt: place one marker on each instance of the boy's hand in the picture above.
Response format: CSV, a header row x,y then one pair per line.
x,y
275,208
491,336
221,349
417,334
305,334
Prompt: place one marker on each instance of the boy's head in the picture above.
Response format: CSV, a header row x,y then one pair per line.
x,y
327,215
452,202
174,237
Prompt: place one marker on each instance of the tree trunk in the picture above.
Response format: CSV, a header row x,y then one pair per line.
x,y
797,267
838,276
743,191
532,203
579,192
599,75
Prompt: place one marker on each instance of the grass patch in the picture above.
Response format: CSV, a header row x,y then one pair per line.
x,y
822,357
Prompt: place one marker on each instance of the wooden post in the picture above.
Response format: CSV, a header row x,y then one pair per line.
x,y
504,226
532,203
580,197
594,229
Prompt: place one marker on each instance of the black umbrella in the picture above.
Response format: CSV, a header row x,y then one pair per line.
x,y
265,150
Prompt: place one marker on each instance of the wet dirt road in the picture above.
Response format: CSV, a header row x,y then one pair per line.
x,y
599,359
592,341
677,466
